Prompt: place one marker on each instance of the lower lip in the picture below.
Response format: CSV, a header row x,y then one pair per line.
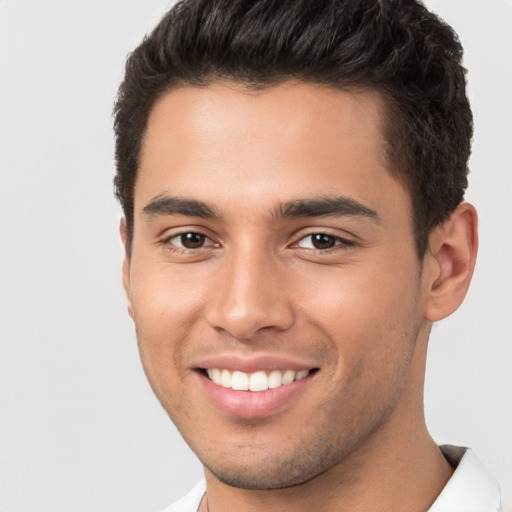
x,y
253,404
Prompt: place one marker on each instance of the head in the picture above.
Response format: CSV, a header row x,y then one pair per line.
x,y
291,175
396,48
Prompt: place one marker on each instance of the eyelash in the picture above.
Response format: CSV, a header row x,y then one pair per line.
x,y
339,242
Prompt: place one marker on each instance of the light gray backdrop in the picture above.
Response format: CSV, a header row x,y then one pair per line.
x,y
79,427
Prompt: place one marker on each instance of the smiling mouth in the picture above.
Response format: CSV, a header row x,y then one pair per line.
x,y
257,381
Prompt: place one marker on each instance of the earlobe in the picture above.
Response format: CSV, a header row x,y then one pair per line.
x,y
450,261
126,268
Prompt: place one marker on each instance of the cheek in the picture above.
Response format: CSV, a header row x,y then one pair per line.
x,y
164,297
357,295
370,314
165,309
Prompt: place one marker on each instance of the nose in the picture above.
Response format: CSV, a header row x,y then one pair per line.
x,y
250,296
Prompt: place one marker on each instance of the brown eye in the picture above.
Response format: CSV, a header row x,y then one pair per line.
x,y
192,240
322,241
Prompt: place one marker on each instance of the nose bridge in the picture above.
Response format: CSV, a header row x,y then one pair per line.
x,y
250,293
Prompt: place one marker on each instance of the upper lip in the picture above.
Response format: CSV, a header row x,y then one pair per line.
x,y
251,364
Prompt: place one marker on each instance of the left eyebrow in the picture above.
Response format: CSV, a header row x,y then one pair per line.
x,y
324,207
163,205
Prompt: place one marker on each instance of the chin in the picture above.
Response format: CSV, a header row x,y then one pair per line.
x,y
261,479
275,470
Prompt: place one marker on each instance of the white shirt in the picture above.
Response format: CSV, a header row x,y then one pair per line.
x,y
470,489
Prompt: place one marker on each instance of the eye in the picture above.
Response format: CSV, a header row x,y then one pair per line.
x,y
321,241
189,240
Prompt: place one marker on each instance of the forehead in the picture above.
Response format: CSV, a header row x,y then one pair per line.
x,y
274,144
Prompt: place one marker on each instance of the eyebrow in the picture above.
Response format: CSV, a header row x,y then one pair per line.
x,y
324,207
163,205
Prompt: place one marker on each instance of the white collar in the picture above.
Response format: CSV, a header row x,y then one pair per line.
x,y
471,488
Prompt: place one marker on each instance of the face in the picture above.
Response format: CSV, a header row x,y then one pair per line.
x,y
273,280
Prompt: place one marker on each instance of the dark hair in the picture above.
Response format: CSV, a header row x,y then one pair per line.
x,y
395,47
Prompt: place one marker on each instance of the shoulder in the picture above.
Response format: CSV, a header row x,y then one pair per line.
x,y
190,502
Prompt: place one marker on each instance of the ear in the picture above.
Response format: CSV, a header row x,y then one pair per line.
x,y
449,262
126,268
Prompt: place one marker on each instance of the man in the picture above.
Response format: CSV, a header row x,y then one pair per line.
x,y
292,176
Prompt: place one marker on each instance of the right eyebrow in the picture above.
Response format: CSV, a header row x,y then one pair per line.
x,y
324,207
163,205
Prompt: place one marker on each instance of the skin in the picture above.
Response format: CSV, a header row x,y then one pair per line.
x,y
360,312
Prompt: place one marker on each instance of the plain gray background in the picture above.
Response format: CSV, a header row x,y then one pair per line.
x,y
79,427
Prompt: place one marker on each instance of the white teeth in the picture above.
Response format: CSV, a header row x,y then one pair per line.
x,y
225,378
300,375
275,379
215,375
240,381
288,377
258,381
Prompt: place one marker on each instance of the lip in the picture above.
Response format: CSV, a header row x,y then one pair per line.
x,y
257,404
253,364
253,404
